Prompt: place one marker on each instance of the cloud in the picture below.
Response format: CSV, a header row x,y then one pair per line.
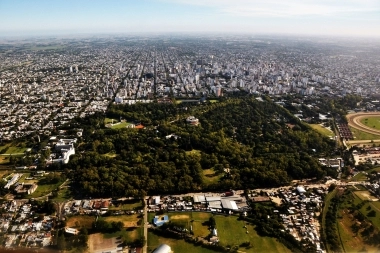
x,y
287,8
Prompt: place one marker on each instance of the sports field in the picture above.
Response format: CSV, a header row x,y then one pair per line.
x,y
362,135
372,122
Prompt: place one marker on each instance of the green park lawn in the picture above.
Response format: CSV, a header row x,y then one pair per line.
x,y
372,122
120,125
44,189
12,148
359,177
359,197
360,135
322,130
64,194
231,232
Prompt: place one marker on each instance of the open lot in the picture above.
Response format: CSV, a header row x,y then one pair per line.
x,y
80,221
98,243
128,220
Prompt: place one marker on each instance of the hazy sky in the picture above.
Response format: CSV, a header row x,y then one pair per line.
x,y
309,17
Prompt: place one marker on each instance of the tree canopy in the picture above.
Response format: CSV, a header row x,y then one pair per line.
x,y
248,143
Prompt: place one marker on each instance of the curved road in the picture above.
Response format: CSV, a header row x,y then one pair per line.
x,y
354,121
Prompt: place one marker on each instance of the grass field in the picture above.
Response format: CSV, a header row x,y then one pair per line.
x,y
352,242
359,177
194,152
109,120
13,150
176,245
364,195
232,232
322,130
63,195
129,234
198,219
195,219
359,196
360,135
355,241
210,177
44,189
372,122
120,125
128,220
80,221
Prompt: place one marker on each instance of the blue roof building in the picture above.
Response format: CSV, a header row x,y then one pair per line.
x,y
157,221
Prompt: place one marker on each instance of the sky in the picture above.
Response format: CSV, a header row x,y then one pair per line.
x,y
354,18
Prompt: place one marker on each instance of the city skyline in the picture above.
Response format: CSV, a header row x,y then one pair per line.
x,y
295,17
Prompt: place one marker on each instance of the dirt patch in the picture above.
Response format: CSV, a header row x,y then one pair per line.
x,y
97,243
180,217
81,221
130,222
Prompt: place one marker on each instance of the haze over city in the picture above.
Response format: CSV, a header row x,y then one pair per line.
x,y
296,17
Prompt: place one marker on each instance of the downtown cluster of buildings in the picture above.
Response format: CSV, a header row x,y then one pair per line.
x,y
44,87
